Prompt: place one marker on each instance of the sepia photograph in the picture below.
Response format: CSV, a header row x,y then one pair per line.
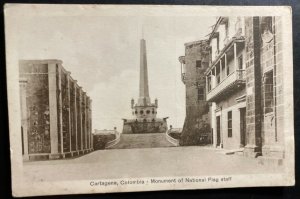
x,y
125,98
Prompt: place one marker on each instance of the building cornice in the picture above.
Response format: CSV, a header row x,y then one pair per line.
x,y
202,41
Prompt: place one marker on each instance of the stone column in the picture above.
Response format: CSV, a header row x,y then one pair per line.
x,y
253,87
80,116
52,70
59,70
75,114
24,116
69,110
91,127
88,123
85,120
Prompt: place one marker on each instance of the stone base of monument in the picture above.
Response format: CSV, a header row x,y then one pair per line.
x,y
141,126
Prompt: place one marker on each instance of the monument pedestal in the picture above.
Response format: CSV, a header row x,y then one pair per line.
x,y
135,126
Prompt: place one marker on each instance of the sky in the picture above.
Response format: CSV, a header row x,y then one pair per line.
x,y
102,53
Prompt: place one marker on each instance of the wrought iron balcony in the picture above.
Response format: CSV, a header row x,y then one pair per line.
x,y
232,82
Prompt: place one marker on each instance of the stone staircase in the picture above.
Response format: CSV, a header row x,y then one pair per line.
x,y
149,140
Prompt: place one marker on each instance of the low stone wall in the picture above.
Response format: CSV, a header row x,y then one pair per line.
x,y
100,141
170,138
113,142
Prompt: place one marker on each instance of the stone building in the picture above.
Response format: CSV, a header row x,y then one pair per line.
x,y
196,129
55,112
245,85
144,112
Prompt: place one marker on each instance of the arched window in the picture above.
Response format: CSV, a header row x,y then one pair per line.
x,y
141,112
148,111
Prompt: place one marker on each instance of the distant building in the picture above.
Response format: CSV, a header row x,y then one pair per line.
x,y
106,132
196,129
102,137
144,112
245,85
55,112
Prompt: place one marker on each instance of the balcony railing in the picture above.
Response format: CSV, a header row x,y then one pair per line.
x,y
172,140
229,83
237,40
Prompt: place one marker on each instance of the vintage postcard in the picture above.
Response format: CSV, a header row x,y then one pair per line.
x,y
123,98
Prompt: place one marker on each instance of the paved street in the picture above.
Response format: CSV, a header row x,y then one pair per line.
x,y
155,162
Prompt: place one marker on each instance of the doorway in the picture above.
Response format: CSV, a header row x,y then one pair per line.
x,y
243,126
218,130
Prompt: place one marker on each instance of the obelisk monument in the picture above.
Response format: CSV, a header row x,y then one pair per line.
x,y
144,87
144,112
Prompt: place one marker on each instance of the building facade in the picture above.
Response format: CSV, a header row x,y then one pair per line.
x,y
196,129
240,69
245,85
226,82
55,112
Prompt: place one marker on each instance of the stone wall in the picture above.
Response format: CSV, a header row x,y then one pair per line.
x,y
271,62
197,109
37,103
264,87
58,112
253,87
